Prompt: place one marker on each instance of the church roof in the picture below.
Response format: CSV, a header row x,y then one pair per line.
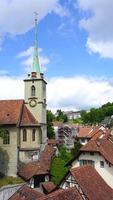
x,y
10,111
15,112
27,118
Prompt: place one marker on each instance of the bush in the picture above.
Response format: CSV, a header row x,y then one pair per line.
x,y
58,169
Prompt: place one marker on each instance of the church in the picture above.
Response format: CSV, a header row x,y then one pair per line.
x,y
24,121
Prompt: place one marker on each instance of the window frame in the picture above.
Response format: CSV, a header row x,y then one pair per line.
x,y
101,163
33,135
6,137
24,135
33,91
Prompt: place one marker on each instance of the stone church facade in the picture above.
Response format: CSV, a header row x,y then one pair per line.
x,y
24,122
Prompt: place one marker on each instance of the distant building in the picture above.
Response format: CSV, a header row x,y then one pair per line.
x,y
66,136
73,114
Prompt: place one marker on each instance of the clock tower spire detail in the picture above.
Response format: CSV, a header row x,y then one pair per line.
x,y
35,89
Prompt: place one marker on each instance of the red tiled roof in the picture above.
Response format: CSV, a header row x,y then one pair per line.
x,y
69,194
91,183
48,186
15,112
26,193
40,167
98,133
84,132
104,146
27,118
29,170
91,132
52,141
10,111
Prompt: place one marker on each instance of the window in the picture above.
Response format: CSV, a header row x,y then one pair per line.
x,y
109,164
24,135
92,153
67,185
33,135
6,138
33,90
83,140
101,164
87,162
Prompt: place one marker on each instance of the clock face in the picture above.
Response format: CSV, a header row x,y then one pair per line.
x,y
32,103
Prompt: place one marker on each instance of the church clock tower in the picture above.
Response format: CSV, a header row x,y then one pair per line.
x,y
35,91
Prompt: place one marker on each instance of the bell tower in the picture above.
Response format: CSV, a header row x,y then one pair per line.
x,y
35,90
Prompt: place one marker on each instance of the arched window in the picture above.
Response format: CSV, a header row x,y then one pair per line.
x,y
33,90
6,137
33,134
24,135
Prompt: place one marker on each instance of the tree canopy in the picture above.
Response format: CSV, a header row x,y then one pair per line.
x,y
61,116
50,129
96,115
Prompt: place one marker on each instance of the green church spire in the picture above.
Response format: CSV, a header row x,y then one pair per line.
x,y
36,66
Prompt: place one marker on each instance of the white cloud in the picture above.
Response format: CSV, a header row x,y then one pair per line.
x,y
16,16
27,58
78,92
97,21
65,93
8,87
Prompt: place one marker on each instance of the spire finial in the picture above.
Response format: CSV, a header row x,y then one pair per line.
x,y
36,66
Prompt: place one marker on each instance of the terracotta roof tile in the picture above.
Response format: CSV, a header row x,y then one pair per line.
x,y
27,118
26,193
84,132
53,142
103,145
69,194
48,186
91,183
30,169
40,167
15,112
10,111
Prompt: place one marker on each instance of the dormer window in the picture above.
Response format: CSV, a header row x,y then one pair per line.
x,y
33,90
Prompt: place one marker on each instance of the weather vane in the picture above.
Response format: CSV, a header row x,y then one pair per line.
x,y
36,15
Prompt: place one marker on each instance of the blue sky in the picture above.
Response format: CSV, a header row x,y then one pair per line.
x,y
75,40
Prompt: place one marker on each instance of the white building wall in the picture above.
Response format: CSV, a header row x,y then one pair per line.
x,y
106,172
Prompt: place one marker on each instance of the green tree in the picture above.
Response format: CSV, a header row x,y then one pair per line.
x,y
61,116
58,168
96,115
50,129
76,149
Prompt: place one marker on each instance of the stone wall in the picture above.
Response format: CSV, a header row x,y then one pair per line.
x,y
7,191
